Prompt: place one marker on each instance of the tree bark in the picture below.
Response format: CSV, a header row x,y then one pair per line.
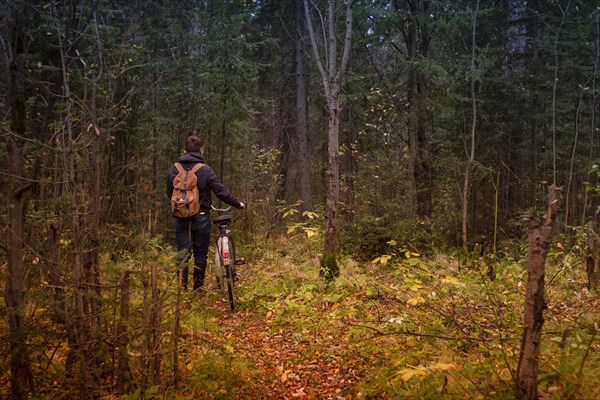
x,y
540,235
302,109
333,177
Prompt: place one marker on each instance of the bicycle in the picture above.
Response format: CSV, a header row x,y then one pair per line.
x,y
225,260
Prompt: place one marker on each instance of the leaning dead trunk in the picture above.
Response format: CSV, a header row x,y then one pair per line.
x,y
540,235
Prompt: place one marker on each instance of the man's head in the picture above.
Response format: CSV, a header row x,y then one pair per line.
x,y
194,143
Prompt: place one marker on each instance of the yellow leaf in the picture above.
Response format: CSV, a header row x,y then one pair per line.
x,y
310,215
289,212
383,260
416,287
442,366
407,373
286,374
415,301
190,366
560,245
451,280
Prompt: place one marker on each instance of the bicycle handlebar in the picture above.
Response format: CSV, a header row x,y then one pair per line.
x,y
220,209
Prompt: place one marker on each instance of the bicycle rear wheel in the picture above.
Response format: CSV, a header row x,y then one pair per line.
x,y
220,275
226,267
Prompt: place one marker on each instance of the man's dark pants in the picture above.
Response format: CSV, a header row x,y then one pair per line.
x,y
193,235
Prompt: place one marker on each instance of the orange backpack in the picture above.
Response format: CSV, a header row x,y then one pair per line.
x,y
185,201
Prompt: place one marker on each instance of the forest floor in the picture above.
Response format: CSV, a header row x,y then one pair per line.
x,y
398,327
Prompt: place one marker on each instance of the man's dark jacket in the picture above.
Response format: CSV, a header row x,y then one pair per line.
x,y
207,182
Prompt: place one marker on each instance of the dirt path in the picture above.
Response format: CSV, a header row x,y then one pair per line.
x,y
291,365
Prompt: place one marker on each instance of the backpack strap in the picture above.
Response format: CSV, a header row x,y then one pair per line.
x,y
196,167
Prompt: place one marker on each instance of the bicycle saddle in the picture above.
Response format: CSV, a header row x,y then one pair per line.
x,y
223,219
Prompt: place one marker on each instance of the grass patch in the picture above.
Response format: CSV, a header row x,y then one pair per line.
x,y
408,328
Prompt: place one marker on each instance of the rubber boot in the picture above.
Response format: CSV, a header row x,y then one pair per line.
x,y
199,272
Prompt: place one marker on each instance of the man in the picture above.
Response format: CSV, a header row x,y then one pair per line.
x,y
198,227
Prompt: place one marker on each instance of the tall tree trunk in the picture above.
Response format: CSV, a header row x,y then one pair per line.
x,y
94,195
514,69
80,328
20,370
417,39
302,109
471,154
593,123
535,114
555,86
540,235
570,213
21,378
285,129
332,76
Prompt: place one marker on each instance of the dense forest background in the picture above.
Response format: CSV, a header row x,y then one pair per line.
x,y
454,117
